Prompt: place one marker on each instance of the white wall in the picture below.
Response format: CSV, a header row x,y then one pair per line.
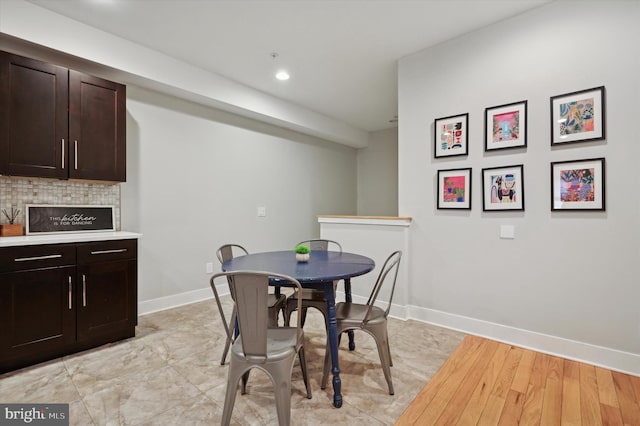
x,y
378,175
568,282
196,177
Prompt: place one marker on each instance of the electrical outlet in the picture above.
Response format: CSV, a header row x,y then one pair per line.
x,y
209,268
262,211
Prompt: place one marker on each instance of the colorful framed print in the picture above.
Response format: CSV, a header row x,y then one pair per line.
x,y
505,126
454,189
577,185
451,136
578,116
503,188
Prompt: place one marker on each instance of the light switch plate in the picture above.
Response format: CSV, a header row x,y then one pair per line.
x,y
507,232
262,211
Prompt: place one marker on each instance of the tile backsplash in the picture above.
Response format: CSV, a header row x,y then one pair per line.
x,y
17,191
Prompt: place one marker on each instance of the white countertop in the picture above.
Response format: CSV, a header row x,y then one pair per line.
x,y
29,240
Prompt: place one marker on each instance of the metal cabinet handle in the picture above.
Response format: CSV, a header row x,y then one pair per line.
x,y
84,290
109,251
63,153
26,259
75,152
70,294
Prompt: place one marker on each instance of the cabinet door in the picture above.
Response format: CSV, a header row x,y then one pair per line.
x,y
107,301
37,315
97,128
33,117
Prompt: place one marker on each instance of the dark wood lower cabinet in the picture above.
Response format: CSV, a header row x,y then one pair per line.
x,y
60,299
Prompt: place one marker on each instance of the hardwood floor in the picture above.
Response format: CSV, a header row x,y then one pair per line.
x,y
490,383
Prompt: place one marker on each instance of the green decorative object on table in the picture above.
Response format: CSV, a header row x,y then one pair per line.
x,y
302,253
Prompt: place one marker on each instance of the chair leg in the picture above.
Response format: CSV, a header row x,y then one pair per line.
x,y
287,316
227,343
230,398
245,379
281,377
304,315
273,318
382,342
303,367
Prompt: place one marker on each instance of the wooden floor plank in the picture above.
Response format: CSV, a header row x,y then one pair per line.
x,y
629,407
532,410
523,374
448,389
635,384
611,416
482,376
557,391
589,398
497,399
512,410
478,399
552,400
606,388
461,355
571,394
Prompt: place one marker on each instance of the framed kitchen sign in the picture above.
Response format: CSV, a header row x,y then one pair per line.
x,y
451,136
454,189
54,219
503,188
577,185
578,116
505,126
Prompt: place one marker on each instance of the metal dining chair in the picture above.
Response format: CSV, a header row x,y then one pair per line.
x,y
276,302
370,318
311,298
273,350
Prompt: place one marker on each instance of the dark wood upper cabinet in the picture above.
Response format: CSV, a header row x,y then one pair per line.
x,y
97,129
33,117
60,123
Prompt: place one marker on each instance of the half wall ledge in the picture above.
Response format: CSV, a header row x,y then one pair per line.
x,y
366,220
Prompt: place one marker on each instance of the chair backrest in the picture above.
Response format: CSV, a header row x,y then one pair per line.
x,y
229,251
389,270
249,292
320,244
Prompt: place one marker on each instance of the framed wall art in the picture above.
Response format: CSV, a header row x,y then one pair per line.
x,y
505,126
55,219
578,185
578,116
451,136
503,188
454,189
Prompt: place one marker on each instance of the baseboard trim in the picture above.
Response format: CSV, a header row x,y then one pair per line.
x,y
612,359
624,362
167,302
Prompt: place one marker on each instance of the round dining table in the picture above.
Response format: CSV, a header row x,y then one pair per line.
x,y
320,272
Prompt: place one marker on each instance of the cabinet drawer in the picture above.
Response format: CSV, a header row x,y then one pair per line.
x,y
106,251
21,258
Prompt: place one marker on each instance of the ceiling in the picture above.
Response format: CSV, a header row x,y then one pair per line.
x,y
341,54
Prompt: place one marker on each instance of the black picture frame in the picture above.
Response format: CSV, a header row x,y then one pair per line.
x,y
578,185
452,195
451,136
578,116
505,126
503,188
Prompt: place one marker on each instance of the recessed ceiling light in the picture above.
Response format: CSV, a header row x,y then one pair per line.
x,y
282,75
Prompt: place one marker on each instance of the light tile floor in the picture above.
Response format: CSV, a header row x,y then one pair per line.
x,y
170,374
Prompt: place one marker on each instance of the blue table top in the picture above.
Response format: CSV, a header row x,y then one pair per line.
x,y
322,265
